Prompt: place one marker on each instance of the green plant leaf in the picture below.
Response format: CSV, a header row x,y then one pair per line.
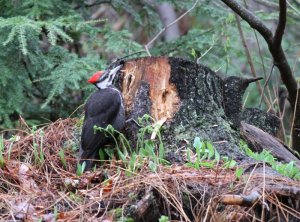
x,y
197,143
238,172
152,166
211,150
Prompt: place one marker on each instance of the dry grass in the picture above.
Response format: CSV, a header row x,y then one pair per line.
x,y
32,190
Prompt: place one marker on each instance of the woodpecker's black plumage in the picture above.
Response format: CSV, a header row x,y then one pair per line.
x,y
104,107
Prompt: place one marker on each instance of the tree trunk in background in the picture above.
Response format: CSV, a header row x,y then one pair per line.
x,y
167,15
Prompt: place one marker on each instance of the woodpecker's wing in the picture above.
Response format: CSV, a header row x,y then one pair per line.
x,y
101,109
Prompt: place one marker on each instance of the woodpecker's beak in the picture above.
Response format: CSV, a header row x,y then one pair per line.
x,y
116,69
95,77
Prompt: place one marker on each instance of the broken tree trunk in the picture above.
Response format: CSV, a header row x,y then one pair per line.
x,y
193,101
188,96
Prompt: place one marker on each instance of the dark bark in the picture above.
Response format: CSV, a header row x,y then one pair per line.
x,y
233,91
279,58
201,111
261,119
141,106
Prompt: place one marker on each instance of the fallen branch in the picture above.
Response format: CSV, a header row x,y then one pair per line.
x,y
241,200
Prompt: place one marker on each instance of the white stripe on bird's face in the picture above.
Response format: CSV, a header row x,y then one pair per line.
x,y
107,78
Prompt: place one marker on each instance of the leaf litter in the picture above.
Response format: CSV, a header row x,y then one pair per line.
x,y
36,184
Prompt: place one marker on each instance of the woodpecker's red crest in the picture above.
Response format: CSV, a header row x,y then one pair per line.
x,y
95,77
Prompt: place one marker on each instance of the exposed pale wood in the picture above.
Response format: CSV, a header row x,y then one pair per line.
x,y
156,72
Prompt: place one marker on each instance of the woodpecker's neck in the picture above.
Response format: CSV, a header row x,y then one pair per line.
x,y
104,84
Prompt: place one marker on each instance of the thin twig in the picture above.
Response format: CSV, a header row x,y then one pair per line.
x,y
252,20
261,57
296,112
294,8
249,58
266,83
263,192
169,25
281,112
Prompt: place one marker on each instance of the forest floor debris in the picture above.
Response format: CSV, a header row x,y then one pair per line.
x,y
38,182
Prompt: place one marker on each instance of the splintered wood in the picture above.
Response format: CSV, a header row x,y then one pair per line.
x,y
155,72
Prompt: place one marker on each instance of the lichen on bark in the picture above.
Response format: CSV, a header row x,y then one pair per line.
x,y
201,112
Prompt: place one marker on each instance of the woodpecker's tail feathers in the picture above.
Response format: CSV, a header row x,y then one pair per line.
x,y
87,156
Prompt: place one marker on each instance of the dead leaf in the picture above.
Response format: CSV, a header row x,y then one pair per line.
x,y
22,173
26,180
107,186
49,217
92,194
22,209
67,216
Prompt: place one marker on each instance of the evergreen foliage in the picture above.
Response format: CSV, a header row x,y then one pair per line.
x,y
44,60
49,48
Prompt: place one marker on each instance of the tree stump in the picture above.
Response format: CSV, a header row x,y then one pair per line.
x,y
192,101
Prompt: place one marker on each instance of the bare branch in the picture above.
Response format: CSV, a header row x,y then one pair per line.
x,y
281,24
252,20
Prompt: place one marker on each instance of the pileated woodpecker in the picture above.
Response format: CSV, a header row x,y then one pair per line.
x,y
104,107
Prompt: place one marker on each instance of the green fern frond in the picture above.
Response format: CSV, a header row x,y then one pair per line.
x,y
19,28
11,36
53,32
70,74
121,41
129,8
39,9
22,39
85,24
